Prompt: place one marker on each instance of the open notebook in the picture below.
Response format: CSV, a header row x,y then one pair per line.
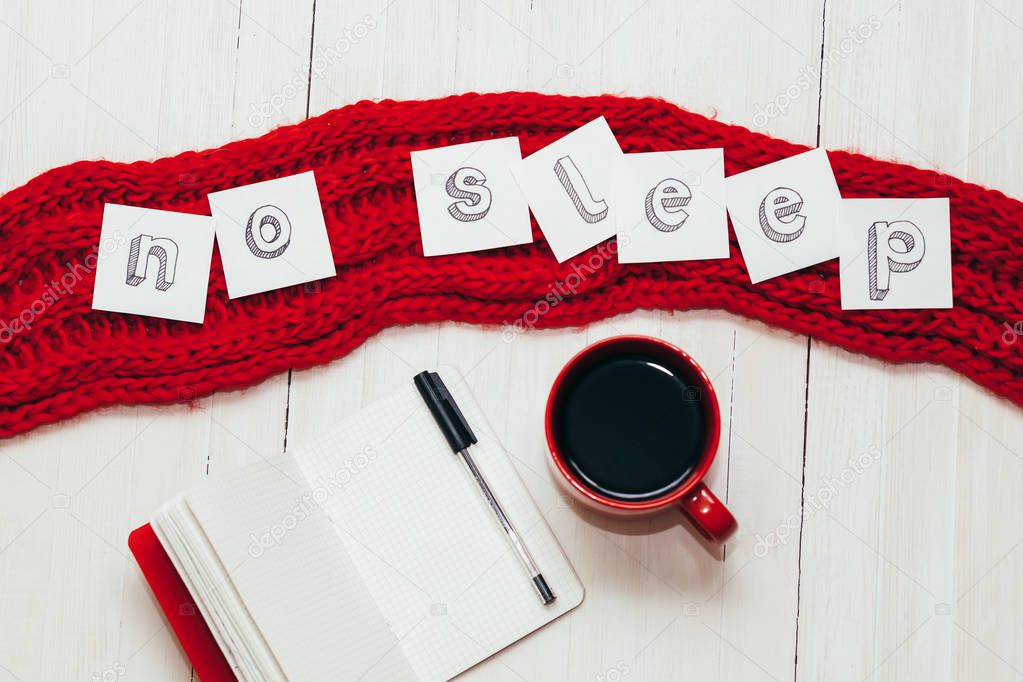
x,y
368,554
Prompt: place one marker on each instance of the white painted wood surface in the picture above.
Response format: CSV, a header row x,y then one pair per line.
x,y
880,533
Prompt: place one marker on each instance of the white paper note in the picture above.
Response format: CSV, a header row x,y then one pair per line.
x,y
785,214
895,253
154,263
467,198
271,234
670,206
568,187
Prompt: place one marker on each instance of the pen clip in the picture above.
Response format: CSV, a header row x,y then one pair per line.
x,y
445,411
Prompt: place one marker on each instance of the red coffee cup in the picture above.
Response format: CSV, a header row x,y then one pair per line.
x,y
691,495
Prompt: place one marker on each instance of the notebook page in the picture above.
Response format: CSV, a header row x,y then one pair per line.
x,y
294,575
420,534
215,597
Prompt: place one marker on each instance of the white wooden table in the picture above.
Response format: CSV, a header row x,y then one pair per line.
x,y
881,533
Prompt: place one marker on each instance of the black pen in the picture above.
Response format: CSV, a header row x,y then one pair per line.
x,y
459,436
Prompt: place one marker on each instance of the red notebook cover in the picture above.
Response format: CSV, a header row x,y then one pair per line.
x,y
179,607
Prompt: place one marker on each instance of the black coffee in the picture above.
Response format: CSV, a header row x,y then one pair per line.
x,y
631,428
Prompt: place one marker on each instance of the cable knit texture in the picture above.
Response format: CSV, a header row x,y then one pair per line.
x,y
73,359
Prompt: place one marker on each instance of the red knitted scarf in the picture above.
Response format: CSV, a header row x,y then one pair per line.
x,y
60,358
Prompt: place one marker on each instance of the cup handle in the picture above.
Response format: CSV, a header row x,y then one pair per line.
x,y
708,514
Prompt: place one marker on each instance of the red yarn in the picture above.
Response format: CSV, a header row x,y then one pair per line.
x,y
72,358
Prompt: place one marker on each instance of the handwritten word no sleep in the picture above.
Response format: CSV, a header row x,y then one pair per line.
x,y
581,189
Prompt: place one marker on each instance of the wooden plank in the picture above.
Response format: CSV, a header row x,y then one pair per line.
x,y
349,49
877,573
163,450
109,469
989,463
744,609
498,364
30,468
345,66
768,376
270,88
172,449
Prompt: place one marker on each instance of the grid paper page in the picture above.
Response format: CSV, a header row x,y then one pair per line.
x,y
294,576
424,541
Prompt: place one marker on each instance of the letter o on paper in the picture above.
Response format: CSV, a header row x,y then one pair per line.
x,y
475,198
268,232
779,215
665,204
